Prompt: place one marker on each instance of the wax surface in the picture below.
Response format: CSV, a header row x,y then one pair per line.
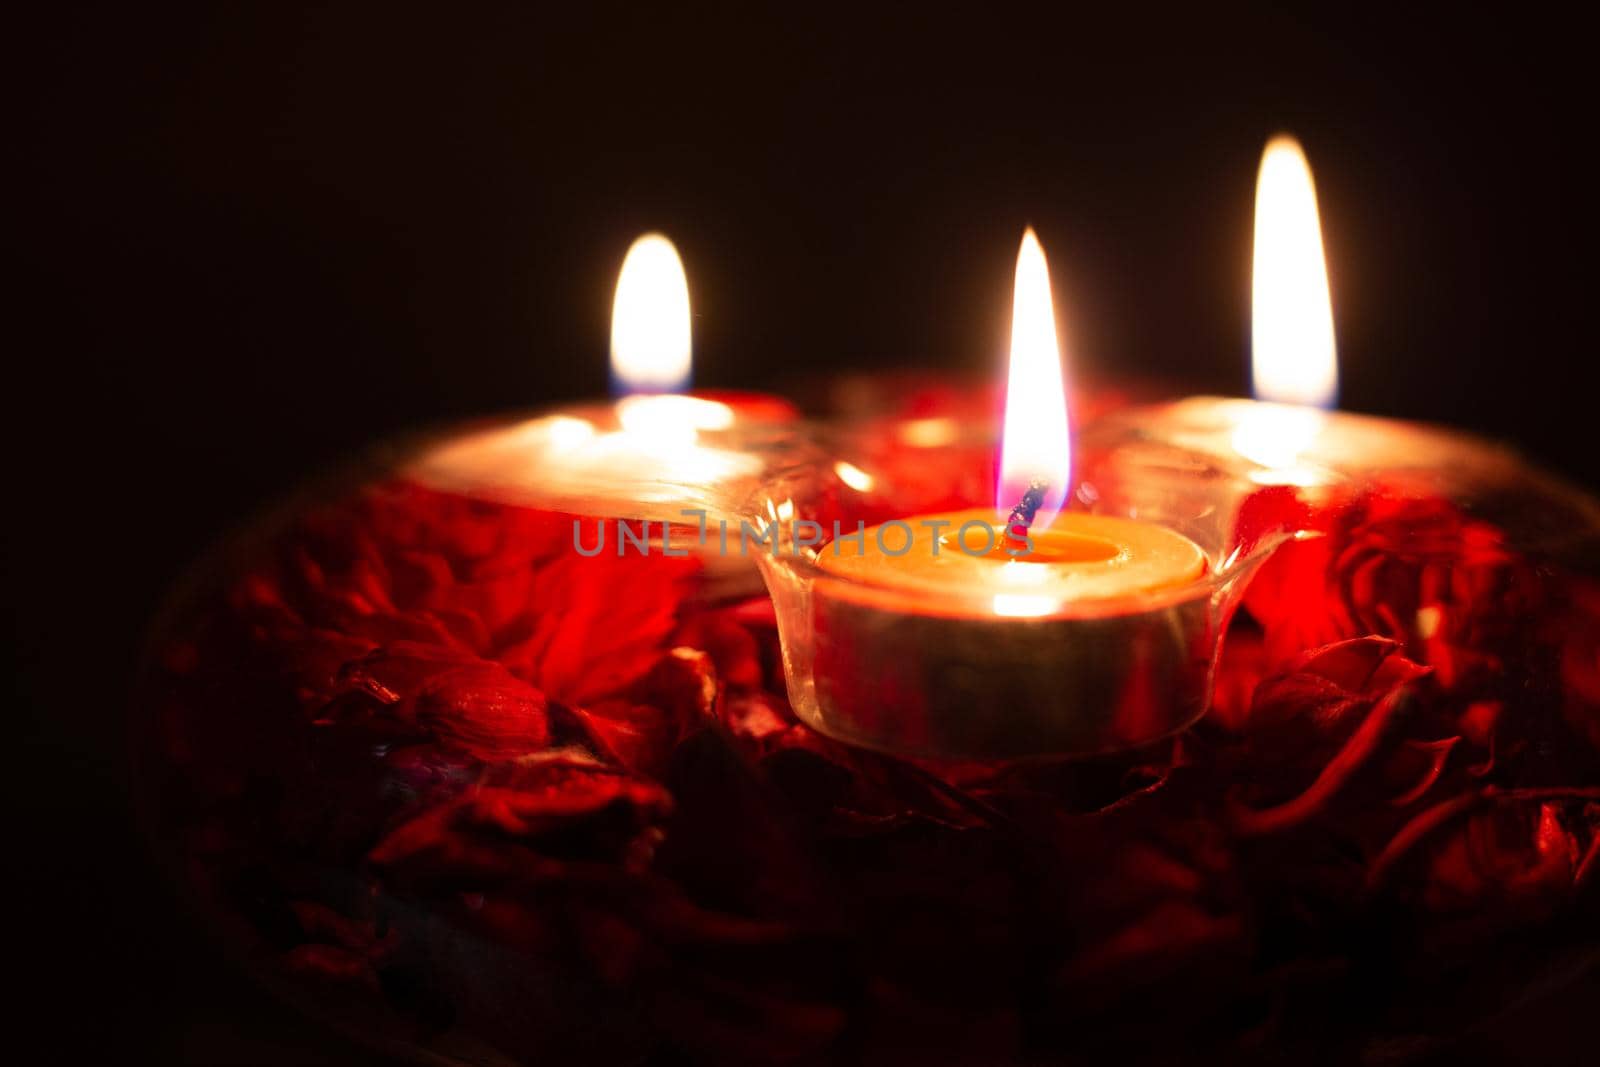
x,y
644,456
1078,557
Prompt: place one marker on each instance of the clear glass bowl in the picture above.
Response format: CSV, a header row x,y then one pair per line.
x,y
479,801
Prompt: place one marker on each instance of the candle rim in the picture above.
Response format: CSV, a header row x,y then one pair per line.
x,y
927,600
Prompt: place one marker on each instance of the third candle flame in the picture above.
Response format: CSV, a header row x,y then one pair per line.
x,y
1292,356
1037,442
1291,317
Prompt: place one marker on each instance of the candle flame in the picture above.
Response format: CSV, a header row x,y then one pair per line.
x,y
1292,348
1293,361
1037,443
650,346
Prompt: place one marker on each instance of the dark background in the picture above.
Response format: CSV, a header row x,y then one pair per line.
x,y
253,238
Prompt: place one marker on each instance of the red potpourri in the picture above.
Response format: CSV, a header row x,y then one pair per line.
x,y
460,788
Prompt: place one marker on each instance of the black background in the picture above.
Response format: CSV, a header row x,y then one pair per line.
x,y
255,237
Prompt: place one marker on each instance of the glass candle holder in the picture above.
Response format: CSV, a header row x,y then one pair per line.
x,y
657,471
975,676
1327,459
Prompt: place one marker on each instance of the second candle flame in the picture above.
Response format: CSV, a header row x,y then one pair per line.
x,y
1037,441
650,353
1292,355
650,346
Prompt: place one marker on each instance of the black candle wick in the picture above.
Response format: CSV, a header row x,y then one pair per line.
x,y
1022,515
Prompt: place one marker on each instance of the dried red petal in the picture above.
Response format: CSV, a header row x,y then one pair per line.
x,y
1419,763
729,643
1329,715
1504,862
557,811
636,736
1413,569
1580,662
330,963
395,673
483,711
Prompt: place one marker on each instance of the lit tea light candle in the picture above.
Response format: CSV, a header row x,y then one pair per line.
x,y
1027,555
1289,435
1010,631
652,455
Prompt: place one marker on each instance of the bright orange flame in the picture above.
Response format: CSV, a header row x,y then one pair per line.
x,y
1037,442
1292,349
650,347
